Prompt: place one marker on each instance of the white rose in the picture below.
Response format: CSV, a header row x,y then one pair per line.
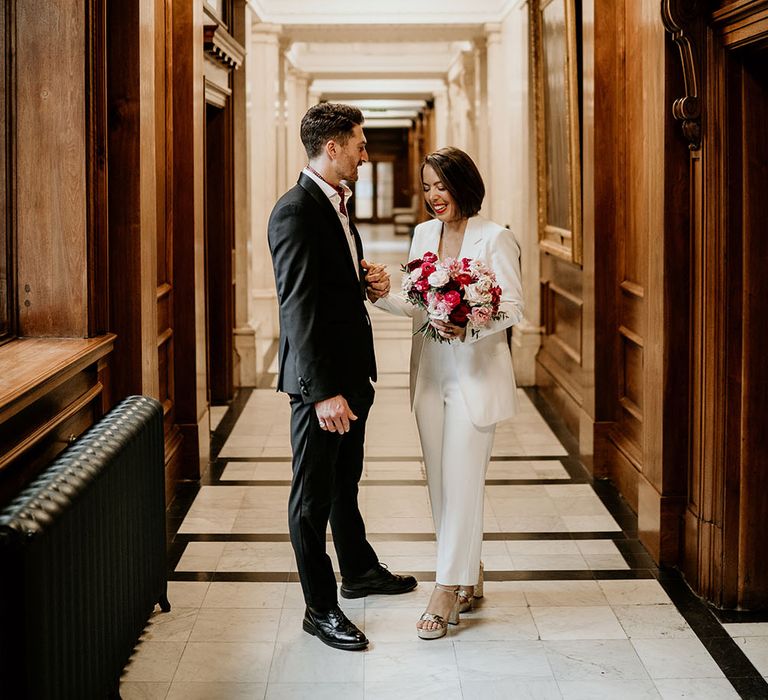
x,y
439,277
475,296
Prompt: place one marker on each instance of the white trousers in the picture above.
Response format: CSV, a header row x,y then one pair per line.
x,y
456,454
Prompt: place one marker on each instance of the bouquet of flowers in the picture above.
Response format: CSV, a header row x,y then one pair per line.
x,y
463,292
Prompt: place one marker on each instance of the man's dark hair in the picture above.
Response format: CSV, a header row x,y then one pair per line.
x,y
460,176
328,122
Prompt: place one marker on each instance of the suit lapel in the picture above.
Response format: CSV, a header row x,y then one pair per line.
x,y
311,187
473,236
430,240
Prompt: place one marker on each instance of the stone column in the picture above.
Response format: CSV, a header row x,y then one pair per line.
x,y
441,118
296,91
495,136
263,66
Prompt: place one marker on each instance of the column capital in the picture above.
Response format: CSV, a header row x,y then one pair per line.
x,y
263,32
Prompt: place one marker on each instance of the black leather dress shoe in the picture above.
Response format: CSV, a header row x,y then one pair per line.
x,y
378,580
334,629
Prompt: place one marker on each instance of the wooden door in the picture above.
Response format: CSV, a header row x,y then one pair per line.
x,y
219,252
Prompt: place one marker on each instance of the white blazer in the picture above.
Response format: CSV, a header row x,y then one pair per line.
x,y
483,361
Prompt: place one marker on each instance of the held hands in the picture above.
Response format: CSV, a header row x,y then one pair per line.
x,y
377,280
334,414
449,331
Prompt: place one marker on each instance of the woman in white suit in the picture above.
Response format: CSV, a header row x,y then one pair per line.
x,y
459,389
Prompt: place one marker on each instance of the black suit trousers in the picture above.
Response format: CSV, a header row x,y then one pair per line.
x,y
326,470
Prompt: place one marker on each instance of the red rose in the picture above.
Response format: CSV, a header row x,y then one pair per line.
x,y
429,257
421,285
453,299
460,314
414,264
464,279
465,263
427,269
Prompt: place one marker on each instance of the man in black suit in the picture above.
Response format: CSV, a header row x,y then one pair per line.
x,y
326,366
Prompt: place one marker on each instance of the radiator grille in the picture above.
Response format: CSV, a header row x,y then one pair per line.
x,y
82,560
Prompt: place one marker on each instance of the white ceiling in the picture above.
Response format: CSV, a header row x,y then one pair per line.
x,y
333,12
387,50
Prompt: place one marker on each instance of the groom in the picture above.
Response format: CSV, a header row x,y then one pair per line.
x,y
326,367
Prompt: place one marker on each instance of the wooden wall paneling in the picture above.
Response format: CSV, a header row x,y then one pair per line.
x,y
132,195
50,168
610,214
166,349
752,588
96,167
7,109
188,236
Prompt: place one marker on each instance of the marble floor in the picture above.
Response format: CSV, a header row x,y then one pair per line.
x,y
574,607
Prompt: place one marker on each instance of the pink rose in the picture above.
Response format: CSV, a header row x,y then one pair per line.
x,y
481,316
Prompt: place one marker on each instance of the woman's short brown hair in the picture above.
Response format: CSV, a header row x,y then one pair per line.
x,y
460,176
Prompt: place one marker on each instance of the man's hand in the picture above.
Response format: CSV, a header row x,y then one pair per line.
x,y
334,414
376,279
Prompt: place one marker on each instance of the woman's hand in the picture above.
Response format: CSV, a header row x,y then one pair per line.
x,y
449,331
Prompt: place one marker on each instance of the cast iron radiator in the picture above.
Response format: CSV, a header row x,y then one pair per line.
x,y
82,560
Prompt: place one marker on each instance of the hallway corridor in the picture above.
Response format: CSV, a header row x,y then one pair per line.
x,y
574,607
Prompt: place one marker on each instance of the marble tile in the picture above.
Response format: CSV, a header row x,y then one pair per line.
x,y
415,661
635,592
503,594
187,594
533,469
527,548
234,662
488,624
747,629
652,622
564,562
256,556
153,661
696,689
316,691
173,626
217,691
582,622
235,594
236,625
756,650
565,593
542,689
427,689
305,660
494,661
140,690
200,556
609,690
676,658
591,660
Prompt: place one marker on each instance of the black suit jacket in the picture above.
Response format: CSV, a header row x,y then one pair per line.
x,y
326,343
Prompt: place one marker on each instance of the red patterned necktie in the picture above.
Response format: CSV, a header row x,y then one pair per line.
x,y
338,188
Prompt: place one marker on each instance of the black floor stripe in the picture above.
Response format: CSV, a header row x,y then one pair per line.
x,y
738,669
496,576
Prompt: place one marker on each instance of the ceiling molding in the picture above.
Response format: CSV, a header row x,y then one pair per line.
x,y
400,12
